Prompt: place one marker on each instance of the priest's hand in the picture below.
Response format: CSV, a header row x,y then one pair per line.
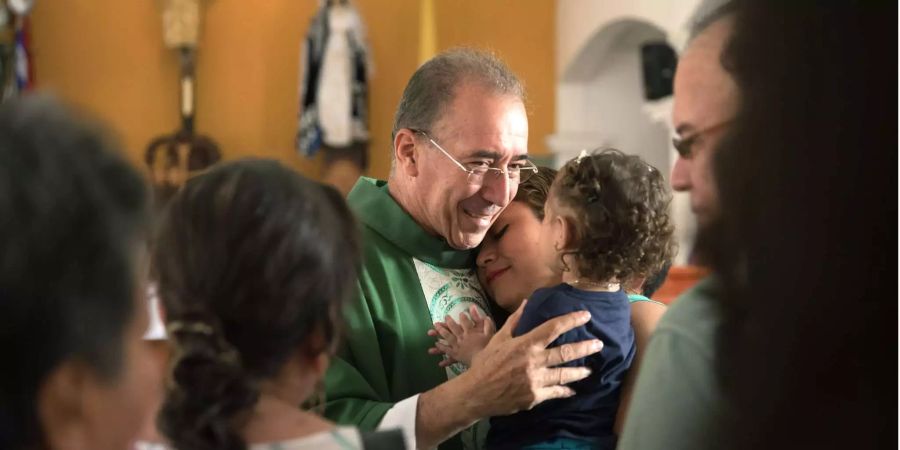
x,y
511,374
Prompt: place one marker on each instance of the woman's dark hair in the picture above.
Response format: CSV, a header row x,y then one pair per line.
x,y
656,280
72,216
535,190
252,262
619,210
806,178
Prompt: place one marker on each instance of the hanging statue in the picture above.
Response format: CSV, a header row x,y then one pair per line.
x,y
335,67
15,48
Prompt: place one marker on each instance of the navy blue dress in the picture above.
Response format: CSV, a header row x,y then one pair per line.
x,y
590,414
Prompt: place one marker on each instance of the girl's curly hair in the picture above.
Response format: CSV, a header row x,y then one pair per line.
x,y
618,206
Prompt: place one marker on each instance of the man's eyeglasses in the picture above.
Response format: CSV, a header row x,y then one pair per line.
x,y
517,171
685,146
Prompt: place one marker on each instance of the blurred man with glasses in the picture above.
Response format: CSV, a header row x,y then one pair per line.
x,y
678,402
459,153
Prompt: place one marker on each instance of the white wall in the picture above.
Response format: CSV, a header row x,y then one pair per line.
x,y
607,112
578,20
600,93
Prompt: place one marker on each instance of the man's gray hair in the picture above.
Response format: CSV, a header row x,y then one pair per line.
x,y
707,13
433,86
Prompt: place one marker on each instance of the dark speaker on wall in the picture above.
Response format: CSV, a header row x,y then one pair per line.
x,y
658,60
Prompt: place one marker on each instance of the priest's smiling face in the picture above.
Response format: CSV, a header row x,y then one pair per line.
x,y
478,129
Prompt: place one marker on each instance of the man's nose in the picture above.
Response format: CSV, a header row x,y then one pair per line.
x,y
495,188
681,175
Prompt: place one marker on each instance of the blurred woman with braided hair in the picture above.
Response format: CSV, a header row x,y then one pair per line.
x,y
253,262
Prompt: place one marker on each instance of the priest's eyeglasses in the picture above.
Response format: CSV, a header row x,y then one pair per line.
x,y
516,171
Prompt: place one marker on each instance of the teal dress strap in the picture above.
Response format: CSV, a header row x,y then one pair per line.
x,y
635,298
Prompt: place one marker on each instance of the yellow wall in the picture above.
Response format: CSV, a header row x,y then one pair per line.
x,y
107,57
523,33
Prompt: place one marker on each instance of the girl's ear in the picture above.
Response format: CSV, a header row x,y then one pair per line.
x,y
563,232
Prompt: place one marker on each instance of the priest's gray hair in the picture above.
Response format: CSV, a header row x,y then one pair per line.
x,y
433,86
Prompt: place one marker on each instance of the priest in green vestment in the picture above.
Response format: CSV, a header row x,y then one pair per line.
x,y
459,151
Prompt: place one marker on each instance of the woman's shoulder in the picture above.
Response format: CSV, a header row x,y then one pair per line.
x,y
339,438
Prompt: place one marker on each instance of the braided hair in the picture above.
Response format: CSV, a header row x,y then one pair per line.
x,y
252,262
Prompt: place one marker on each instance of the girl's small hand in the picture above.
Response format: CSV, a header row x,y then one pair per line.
x,y
447,360
459,342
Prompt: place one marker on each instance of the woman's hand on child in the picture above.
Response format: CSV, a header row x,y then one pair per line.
x,y
459,342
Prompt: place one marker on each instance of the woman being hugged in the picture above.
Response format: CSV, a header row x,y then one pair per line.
x,y
252,262
605,224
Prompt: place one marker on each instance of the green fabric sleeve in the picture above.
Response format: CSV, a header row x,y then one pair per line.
x,y
383,355
352,398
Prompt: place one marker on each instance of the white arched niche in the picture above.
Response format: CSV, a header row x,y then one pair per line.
x,y
600,98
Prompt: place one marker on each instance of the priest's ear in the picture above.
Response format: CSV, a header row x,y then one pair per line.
x,y
405,158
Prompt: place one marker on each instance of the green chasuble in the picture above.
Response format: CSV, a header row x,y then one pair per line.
x,y
409,280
